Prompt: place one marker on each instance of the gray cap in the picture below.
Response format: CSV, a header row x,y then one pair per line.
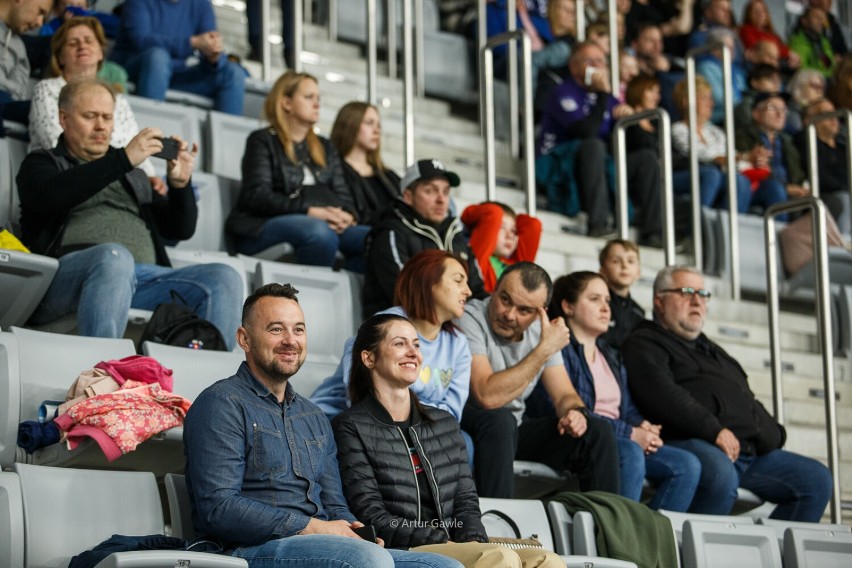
x,y
428,169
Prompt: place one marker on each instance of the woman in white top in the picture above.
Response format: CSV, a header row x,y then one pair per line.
x,y
77,50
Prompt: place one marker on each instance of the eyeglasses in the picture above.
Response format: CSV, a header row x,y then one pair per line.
x,y
689,293
775,108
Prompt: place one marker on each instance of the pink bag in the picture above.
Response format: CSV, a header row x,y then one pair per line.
x,y
138,368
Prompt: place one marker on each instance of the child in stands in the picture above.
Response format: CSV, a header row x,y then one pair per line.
x,y
619,260
500,237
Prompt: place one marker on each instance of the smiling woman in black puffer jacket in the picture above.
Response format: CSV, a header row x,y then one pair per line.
x,y
404,465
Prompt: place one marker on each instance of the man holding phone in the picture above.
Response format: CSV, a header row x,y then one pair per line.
x,y
576,124
87,204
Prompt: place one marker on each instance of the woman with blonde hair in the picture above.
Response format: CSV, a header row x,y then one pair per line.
x,y
357,136
293,188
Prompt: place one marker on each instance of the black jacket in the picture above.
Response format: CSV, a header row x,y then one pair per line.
x,y
400,234
380,484
369,204
51,183
626,315
272,184
694,389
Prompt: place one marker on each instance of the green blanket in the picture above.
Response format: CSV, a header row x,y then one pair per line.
x,y
625,529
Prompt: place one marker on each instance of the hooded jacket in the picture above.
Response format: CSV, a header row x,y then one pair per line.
x,y
379,480
14,65
400,234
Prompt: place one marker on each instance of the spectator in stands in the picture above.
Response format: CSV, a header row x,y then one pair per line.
x,y
805,87
64,10
832,163
628,69
514,345
261,462
77,52
840,87
810,42
619,265
86,203
711,69
575,130
436,510
765,52
712,151
716,14
420,220
500,237
700,395
562,17
832,30
294,190
762,78
431,290
595,369
674,20
598,34
17,17
253,21
648,48
764,145
756,28
357,137
156,41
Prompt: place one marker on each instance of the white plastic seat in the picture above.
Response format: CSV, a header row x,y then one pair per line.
x,y
782,526
180,507
68,511
180,257
193,371
678,521
326,299
10,399
172,118
708,544
817,547
214,205
24,280
532,520
227,135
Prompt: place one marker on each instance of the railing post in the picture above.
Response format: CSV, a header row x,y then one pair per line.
x,y
332,20
486,103
298,34
419,49
408,81
265,51
391,22
614,55
512,78
665,150
372,50
580,32
823,298
481,39
730,161
813,162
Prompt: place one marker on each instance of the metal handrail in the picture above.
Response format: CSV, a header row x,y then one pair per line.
x,y
486,102
813,166
818,212
512,78
298,34
408,82
580,19
372,53
265,51
731,162
665,146
614,53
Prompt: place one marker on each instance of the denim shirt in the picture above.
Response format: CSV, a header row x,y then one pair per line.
x,y
257,469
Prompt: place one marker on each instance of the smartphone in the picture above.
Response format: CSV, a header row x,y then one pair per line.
x,y
170,150
367,532
590,73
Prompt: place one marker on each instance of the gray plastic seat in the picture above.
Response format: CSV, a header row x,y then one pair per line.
x,y
678,521
817,548
194,370
180,507
66,511
782,526
172,118
214,205
180,257
24,280
10,398
708,544
227,136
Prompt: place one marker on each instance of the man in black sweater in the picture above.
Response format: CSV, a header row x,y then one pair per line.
x,y
700,395
87,204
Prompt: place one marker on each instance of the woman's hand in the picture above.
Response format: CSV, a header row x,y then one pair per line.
x,y
654,428
647,440
338,219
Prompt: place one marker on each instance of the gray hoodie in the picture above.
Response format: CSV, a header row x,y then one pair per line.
x,y
14,65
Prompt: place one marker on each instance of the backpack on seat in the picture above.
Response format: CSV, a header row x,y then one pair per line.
x,y
175,323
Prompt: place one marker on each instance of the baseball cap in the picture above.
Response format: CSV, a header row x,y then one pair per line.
x,y
428,169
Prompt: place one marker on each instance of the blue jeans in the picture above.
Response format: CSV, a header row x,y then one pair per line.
x,y
713,184
674,472
769,192
799,485
315,242
101,283
332,551
153,71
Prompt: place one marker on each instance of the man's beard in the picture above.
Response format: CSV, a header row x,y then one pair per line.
x,y
279,371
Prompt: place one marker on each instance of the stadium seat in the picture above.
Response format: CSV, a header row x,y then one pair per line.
x,y
782,526
710,544
64,512
180,257
180,507
24,279
194,370
171,118
214,205
817,547
10,399
226,139
678,521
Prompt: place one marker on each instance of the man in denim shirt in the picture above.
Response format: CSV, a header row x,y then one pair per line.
x,y
261,465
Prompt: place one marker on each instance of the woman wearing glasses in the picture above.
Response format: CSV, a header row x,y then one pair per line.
x,y
582,299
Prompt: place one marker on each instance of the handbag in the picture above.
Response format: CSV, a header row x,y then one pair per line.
x,y
516,542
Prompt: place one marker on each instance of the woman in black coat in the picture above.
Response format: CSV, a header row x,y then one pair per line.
x,y
404,465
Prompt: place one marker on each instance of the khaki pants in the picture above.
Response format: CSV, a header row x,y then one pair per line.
x,y
482,555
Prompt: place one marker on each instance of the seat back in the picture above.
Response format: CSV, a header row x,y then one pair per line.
x,y
782,526
678,520
180,507
172,118
180,257
326,299
226,136
194,370
817,547
562,523
6,175
24,280
11,521
67,511
10,398
528,514
708,544
312,373
214,205
49,363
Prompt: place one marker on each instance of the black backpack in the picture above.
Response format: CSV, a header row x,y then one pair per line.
x,y
175,323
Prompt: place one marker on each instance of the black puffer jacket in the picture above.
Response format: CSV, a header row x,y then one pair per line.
x,y
380,484
272,184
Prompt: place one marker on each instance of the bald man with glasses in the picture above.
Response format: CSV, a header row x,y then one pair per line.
x,y
700,395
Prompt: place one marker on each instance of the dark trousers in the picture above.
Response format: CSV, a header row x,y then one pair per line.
x,y
590,170
498,442
643,186
593,457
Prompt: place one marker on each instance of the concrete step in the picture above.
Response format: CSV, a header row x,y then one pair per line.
x,y
797,362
